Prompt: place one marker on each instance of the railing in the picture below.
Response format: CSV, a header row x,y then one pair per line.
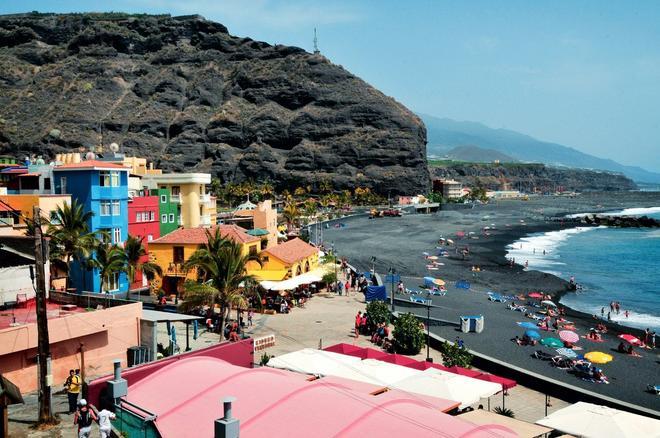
x,y
89,300
176,198
205,199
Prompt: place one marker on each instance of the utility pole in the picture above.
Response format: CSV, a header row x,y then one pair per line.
x,y
45,378
316,44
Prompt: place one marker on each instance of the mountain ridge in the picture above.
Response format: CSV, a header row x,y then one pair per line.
x,y
444,134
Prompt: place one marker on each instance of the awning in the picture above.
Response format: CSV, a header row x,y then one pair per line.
x,y
522,428
312,276
589,420
158,316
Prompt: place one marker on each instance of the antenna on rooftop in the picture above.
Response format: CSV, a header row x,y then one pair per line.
x,y
316,44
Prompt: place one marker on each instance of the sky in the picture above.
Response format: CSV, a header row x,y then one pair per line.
x,y
582,73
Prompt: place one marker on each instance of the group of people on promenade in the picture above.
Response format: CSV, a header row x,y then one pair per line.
x,y
85,415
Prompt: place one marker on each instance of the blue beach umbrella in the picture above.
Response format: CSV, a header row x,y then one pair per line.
x,y
533,334
528,325
567,352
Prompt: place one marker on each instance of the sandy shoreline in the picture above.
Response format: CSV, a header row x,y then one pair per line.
x,y
400,242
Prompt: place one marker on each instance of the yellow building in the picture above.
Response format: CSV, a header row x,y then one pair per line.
x,y
286,260
15,208
198,208
171,251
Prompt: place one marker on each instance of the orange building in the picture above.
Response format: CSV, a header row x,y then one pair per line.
x,y
15,208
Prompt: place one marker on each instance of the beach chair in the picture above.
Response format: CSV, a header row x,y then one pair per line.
x,y
496,298
417,299
563,363
655,389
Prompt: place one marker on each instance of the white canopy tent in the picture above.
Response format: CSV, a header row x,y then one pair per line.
x,y
432,382
313,276
588,420
438,383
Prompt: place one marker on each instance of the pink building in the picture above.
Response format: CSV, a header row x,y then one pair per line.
x,y
103,334
143,222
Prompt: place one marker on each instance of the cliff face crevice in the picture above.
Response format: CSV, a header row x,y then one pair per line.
x,y
185,93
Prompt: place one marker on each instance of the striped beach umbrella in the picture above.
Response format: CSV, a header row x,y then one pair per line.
x,y
632,340
569,336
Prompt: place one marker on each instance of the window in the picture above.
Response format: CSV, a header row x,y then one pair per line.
x,y
108,178
63,185
163,199
265,259
112,281
152,216
163,218
176,190
150,237
116,235
177,254
105,208
54,219
171,218
46,183
116,211
138,217
253,250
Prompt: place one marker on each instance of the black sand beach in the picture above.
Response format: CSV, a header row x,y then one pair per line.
x,y
400,242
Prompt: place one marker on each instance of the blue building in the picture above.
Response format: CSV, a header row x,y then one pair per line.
x,y
101,188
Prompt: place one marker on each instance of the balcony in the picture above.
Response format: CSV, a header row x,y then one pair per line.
x,y
205,199
205,220
175,270
176,198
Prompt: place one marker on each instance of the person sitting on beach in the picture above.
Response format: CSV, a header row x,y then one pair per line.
x,y
632,352
600,328
621,348
518,341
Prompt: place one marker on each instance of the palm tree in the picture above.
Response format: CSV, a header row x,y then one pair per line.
x,y
70,238
135,254
222,268
108,259
291,213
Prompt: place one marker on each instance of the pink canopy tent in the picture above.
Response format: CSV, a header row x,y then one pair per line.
x,y
506,383
344,348
425,365
398,359
282,404
464,371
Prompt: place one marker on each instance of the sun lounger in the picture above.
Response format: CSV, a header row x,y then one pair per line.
x,y
655,389
496,298
540,354
562,363
417,299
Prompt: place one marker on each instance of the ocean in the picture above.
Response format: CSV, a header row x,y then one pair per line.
x,y
612,264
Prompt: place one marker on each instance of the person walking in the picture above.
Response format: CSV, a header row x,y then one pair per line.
x,y
340,286
105,424
602,312
73,385
250,316
347,287
83,419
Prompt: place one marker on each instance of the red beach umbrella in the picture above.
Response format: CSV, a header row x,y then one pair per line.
x,y
535,295
632,340
398,359
343,348
569,336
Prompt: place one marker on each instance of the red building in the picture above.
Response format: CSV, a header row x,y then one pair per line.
x,y
143,222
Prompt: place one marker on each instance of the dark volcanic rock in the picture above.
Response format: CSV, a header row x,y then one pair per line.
x,y
185,93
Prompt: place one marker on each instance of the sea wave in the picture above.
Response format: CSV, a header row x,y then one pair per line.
x,y
636,211
539,251
635,319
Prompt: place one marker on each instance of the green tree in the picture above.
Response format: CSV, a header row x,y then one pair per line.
x,y
453,355
109,259
378,312
70,238
291,214
222,268
408,334
504,411
135,254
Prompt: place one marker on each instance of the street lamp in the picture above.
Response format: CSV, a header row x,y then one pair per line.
x,y
428,330
334,256
391,272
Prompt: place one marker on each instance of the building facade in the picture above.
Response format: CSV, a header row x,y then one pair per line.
x,y
101,188
286,260
188,190
168,211
448,188
143,223
14,209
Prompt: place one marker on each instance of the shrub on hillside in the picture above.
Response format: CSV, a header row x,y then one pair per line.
x,y
408,334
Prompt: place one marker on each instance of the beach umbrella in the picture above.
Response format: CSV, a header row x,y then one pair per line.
x,y
532,334
432,257
528,325
569,336
567,352
438,282
460,234
632,340
598,357
552,342
548,303
535,295
449,241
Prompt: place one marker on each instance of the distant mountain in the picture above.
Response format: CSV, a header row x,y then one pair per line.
x,y
445,134
476,154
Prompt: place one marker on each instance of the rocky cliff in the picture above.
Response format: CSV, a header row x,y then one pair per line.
x,y
185,93
531,177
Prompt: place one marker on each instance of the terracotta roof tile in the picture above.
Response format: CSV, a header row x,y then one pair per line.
x,y
292,250
198,235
